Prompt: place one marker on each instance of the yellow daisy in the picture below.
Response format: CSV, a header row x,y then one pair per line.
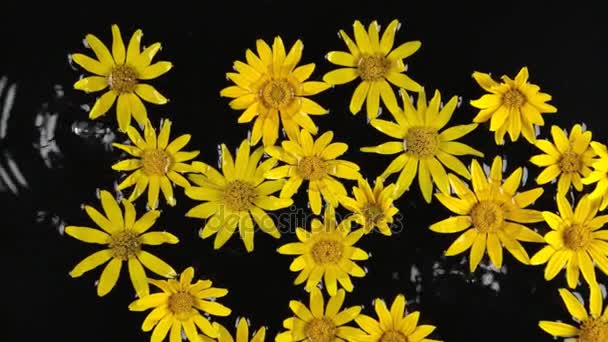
x,y
567,158
326,251
242,333
394,325
232,198
513,106
157,163
270,87
491,215
181,306
320,323
124,237
423,149
372,208
575,241
599,175
372,60
314,161
592,326
121,71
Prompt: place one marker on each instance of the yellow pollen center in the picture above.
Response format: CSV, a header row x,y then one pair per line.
x,y
312,168
570,162
276,93
594,330
122,79
487,216
393,336
321,330
180,304
422,142
372,213
373,67
239,195
576,237
156,162
125,244
514,98
327,251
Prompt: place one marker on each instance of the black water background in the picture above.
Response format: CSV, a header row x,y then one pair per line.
x,y
563,45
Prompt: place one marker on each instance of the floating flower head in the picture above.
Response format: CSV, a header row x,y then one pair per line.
x,y
326,251
121,71
182,307
157,163
575,241
234,197
592,325
372,208
599,175
124,237
566,158
422,148
394,325
242,333
513,106
271,87
314,161
318,323
491,214
374,61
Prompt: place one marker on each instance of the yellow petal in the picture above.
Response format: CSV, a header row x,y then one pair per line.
x,y
92,261
91,84
118,47
452,224
342,58
89,235
462,243
103,104
109,277
576,309
558,329
155,70
359,96
340,76
404,50
156,265
150,94
138,278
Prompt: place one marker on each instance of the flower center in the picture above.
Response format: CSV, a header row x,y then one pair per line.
x,y
312,168
421,141
594,330
393,336
372,213
373,67
180,304
125,244
276,93
239,195
123,79
487,216
327,251
577,237
156,162
513,98
570,162
321,330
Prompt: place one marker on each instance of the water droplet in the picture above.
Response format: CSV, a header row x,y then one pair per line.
x,y
524,177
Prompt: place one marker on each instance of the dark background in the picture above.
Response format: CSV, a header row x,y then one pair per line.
x,y
564,47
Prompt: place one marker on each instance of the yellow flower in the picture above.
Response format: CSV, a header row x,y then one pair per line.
x,y
157,163
394,325
178,307
121,71
270,87
568,158
327,251
513,106
575,241
320,323
242,333
233,198
423,149
124,237
599,175
372,208
491,215
314,161
592,326
372,60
